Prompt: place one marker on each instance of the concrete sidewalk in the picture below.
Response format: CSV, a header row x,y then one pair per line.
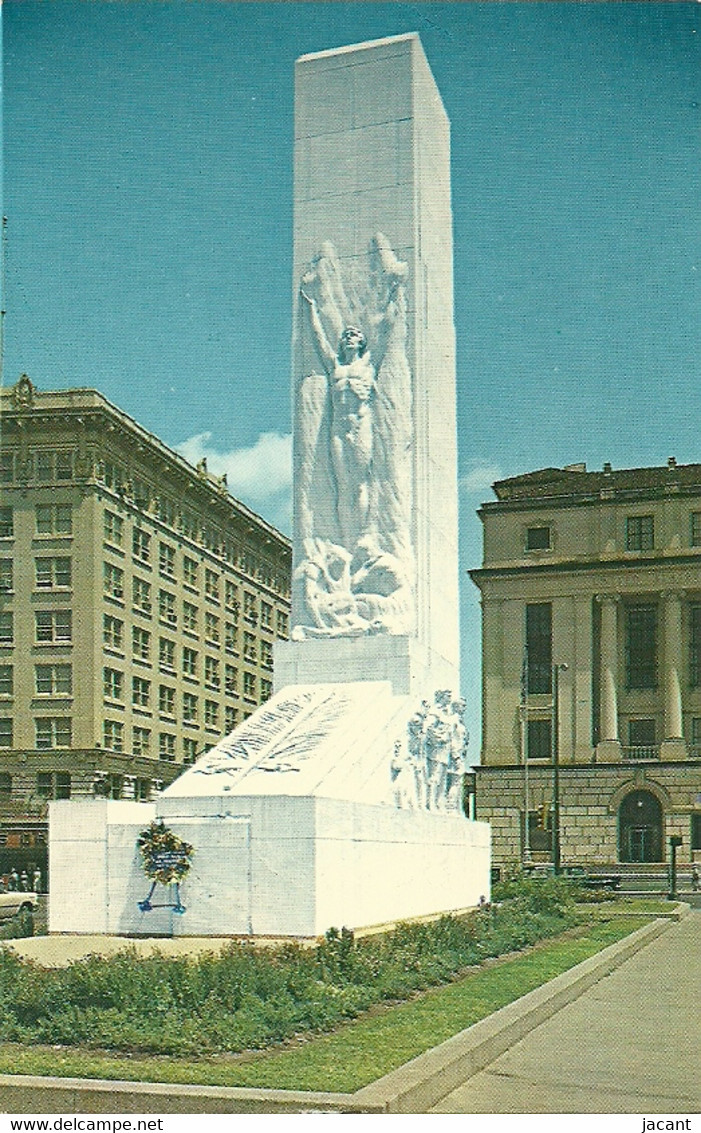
x,y
630,1044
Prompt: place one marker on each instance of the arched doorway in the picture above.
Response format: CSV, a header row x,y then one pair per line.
x,y
640,828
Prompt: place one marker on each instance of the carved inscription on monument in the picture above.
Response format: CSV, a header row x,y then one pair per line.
x,y
353,431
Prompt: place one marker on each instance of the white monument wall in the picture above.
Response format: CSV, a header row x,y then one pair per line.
x,y
275,866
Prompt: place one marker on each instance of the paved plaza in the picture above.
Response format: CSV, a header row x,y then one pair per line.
x,y
628,1045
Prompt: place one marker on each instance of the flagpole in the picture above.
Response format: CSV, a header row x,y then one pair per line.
x,y
526,853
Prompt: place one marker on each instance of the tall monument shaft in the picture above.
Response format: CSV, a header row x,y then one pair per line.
x,y
375,591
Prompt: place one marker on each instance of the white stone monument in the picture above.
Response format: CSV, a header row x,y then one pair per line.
x,y
339,801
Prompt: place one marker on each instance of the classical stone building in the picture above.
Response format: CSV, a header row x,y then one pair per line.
x,y
591,615
139,604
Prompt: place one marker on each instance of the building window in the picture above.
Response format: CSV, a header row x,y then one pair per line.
x,y
141,596
166,654
113,735
211,627
189,707
109,786
696,529
641,733
54,784
695,646
52,732
166,607
230,637
6,576
113,578
266,615
211,672
52,573
166,700
189,524
249,686
250,612
211,584
53,626
7,525
54,519
266,654
641,647
283,625
166,510
141,545
112,632
231,596
50,465
114,528
53,680
190,617
231,716
189,662
7,467
190,752
5,785
230,679
166,747
190,567
6,732
640,533
112,684
250,651
696,832
140,692
6,680
539,738
266,689
112,475
166,560
141,643
539,648
7,631
538,539
211,714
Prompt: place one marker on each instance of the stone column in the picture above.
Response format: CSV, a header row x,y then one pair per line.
x,y
608,730
673,746
375,586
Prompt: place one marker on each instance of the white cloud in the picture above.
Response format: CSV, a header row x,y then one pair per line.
x,y
259,476
479,477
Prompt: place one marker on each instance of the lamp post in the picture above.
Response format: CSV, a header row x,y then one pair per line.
x,y
674,842
557,669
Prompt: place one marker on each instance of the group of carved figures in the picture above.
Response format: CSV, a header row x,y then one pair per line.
x,y
428,768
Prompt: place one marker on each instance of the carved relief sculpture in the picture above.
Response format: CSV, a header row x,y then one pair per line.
x,y
353,433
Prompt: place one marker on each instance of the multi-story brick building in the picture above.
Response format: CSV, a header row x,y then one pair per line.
x,y
591,614
139,604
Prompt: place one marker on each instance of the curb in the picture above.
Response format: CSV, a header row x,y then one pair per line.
x,y
412,1088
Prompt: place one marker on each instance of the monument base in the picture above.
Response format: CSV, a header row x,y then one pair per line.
x,y
408,665
269,866
313,813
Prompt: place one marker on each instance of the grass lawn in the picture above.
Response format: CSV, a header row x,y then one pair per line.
x,y
357,1052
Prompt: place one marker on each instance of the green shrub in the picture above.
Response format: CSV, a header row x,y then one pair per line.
x,y
247,998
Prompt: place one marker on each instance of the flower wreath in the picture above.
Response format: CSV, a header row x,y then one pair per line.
x,y
166,857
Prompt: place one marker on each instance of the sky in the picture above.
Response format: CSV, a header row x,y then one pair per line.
x,y
147,186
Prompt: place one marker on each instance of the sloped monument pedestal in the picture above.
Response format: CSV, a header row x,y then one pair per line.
x,y
338,802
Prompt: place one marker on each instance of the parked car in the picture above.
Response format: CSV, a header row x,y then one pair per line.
x,y
14,903
611,881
